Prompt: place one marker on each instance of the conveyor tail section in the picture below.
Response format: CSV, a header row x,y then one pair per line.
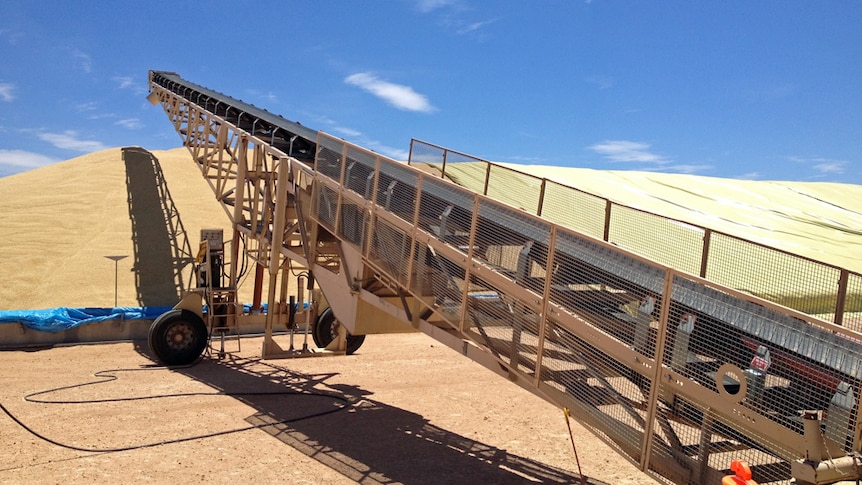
x,y
679,374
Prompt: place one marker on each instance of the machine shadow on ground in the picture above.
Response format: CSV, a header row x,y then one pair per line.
x,y
162,250
368,441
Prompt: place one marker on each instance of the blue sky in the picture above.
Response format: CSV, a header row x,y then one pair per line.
x,y
767,90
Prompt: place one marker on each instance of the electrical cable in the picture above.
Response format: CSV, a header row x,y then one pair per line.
x,y
107,376
297,275
574,448
245,258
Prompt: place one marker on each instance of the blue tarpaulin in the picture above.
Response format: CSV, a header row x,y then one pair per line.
x,y
62,318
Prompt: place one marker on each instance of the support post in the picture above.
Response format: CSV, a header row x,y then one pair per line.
x,y
277,241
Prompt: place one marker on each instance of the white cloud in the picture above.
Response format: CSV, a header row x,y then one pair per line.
x,y
130,123
426,6
686,168
399,96
353,135
359,138
131,83
830,167
92,111
601,82
473,27
69,140
101,116
348,132
824,166
627,151
83,60
453,15
12,37
267,96
124,82
398,154
20,159
91,106
6,92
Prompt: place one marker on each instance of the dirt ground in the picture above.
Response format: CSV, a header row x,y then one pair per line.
x,y
403,409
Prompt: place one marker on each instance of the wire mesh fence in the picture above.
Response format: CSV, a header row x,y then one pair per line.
x,y
671,242
853,300
790,280
581,211
680,374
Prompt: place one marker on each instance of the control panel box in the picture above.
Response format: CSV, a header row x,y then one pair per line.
x,y
215,238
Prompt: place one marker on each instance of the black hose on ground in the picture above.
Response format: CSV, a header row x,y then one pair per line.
x,y
108,375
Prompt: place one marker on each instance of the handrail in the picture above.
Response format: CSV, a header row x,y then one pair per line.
x,y
794,270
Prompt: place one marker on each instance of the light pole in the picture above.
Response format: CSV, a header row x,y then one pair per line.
x,y
116,260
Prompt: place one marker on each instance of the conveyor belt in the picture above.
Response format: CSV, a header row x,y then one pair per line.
x,y
677,373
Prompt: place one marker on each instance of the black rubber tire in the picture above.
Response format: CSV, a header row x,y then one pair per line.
x,y
177,337
324,332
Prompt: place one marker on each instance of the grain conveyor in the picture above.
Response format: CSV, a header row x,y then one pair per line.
x,y
677,373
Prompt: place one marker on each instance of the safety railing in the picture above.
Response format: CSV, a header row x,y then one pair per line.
x,y
813,287
678,373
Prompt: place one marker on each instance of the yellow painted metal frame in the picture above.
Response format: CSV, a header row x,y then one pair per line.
x,y
271,200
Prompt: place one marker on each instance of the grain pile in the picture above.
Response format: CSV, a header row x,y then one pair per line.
x,y
59,222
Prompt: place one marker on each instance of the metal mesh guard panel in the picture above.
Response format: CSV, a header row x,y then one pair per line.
x,y
574,209
661,239
425,153
853,303
505,220
359,173
446,278
506,185
513,243
504,324
617,294
606,395
327,206
428,278
390,249
437,195
732,315
354,220
396,189
470,175
328,163
786,279
767,362
613,264
692,444
446,212
774,275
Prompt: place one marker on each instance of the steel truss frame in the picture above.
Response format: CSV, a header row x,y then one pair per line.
x,y
637,391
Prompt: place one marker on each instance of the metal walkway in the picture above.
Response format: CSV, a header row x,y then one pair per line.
x,y
677,373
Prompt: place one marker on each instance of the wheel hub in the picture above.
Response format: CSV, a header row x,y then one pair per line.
x,y
179,336
333,330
